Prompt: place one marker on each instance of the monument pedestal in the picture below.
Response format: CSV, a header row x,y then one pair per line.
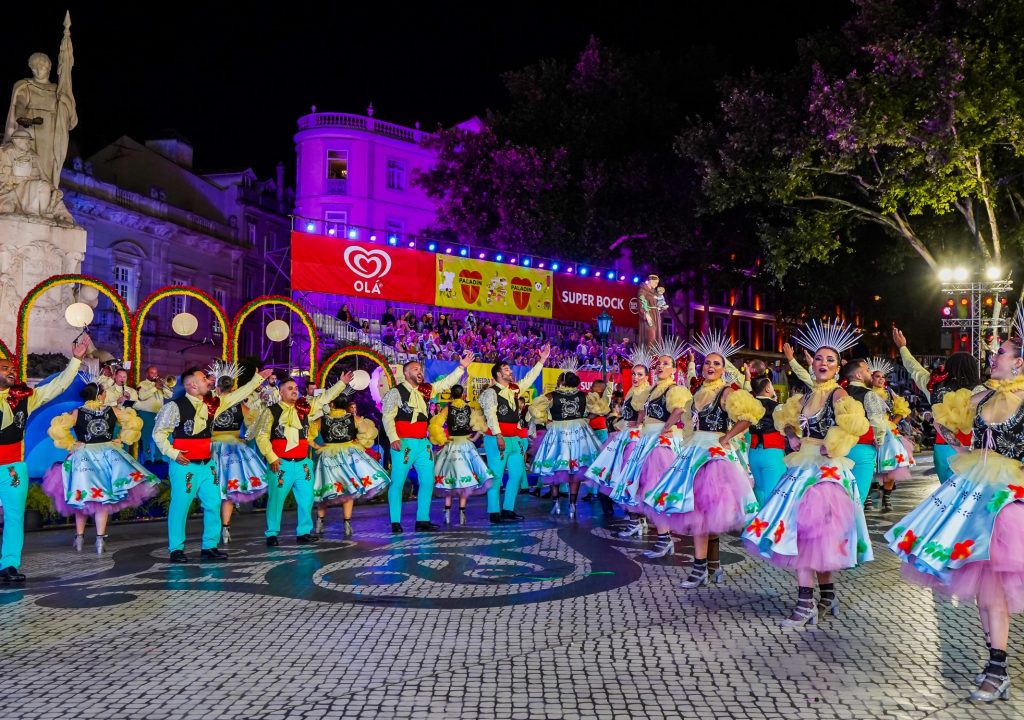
x,y
31,250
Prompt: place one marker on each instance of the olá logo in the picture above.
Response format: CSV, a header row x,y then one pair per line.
x,y
372,264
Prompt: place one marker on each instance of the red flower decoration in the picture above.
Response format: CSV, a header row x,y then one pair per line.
x,y
908,542
829,472
664,440
338,487
900,458
779,532
136,476
232,484
574,464
78,495
255,481
438,479
365,480
95,493
757,527
1018,491
962,550
661,499
716,452
634,434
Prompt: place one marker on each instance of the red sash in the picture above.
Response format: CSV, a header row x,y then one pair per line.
x,y
195,448
867,438
768,441
11,453
411,430
511,430
299,452
965,439
599,423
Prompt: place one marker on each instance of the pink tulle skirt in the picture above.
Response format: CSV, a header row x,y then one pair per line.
x,y
990,582
720,492
658,461
823,521
53,486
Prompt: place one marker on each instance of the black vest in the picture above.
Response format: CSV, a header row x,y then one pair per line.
x,y
230,420
186,420
15,432
506,413
405,409
95,426
338,429
1007,438
276,431
656,408
628,414
767,423
458,422
568,406
713,418
818,425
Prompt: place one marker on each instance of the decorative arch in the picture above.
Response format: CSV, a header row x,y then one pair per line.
x,y
21,347
5,353
355,351
170,291
267,301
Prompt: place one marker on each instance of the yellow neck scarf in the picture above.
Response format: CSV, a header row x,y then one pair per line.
x,y
202,414
416,401
291,424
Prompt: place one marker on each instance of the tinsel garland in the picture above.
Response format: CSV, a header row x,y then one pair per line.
x,y
266,301
360,351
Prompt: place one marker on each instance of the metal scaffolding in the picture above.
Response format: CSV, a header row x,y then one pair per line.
x,y
977,321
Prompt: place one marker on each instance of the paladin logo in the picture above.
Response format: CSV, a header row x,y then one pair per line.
x,y
367,264
371,264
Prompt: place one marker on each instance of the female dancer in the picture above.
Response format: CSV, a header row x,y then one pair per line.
x,y
569,445
895,452
240,469
344,471
458,467
707,490
660,438
767,445
606,470
812,523
965,539
98,477
961,372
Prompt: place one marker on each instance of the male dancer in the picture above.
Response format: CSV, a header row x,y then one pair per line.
x,y
505,442
17,402
281,435
404,414
153,391
182,431
865,453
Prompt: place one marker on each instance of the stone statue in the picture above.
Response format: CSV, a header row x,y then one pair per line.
x,y
651,304
23,189
46,110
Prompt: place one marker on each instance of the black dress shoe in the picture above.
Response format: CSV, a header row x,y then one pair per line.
x,y
179,556
11,574
212,554
306,539
272,541
510,516
396,528
426,526
496,518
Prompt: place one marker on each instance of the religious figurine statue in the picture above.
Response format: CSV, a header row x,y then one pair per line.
x,y
46,110
652,303
23,189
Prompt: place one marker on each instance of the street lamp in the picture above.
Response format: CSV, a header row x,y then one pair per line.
x,y
604,328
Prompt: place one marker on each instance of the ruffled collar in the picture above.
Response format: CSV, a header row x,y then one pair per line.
x,y
713,385
829,385
93,405
460,403
1004,387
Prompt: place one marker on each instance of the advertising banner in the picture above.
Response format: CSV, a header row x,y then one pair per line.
x,y
479,378
583,299
491,287
327,264
587,378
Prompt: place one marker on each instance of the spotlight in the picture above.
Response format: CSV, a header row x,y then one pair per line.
x,y
392,240
960,274
499,257
412,243
554,266
373,238
611,275
569,269
332,231
636,279
310,227
945,274
622,278
353,234
513,261
993,272
463,252
584,271
526,262
432,247
447,251
482,255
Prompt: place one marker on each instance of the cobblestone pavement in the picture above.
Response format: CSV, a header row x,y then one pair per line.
x,y
546,619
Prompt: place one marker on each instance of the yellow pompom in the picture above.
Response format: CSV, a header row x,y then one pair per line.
x,y
955,411
677,398
850,417
741,405
539,408
787,415
477,421
60,431
366,433
435,428
839,443
900,407
131,426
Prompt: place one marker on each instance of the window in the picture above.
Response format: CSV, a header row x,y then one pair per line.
x,y
251,230
337,171
179,303
222,299
743,331
336,220
718,322
396,175
396,228
768,336
124,283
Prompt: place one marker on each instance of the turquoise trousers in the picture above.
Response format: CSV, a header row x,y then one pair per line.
x,y
295,476
514,461
768,468
414,455
189,482
13,491
864,457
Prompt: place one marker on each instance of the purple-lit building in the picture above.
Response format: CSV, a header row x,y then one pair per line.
x,y
153,221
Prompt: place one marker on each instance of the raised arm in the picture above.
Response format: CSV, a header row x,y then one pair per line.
x,y
918,373
234,397
46,393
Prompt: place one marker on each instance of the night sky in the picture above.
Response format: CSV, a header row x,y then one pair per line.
x,y
233,78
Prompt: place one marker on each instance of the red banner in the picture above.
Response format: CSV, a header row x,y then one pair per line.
x,y
321,263
583,299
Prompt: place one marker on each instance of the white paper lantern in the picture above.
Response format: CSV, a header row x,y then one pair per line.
x,y
360,380
278,330
78,315
184,324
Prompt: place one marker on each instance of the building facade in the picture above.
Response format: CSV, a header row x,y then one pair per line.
x,y
152,221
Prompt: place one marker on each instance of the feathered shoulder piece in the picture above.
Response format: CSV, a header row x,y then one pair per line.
x,y
715,343
882,365
839,336
220,369
669,346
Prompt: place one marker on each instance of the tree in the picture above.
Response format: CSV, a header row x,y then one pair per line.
x,y
913,113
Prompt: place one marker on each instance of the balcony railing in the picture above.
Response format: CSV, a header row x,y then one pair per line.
x,y
362,122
